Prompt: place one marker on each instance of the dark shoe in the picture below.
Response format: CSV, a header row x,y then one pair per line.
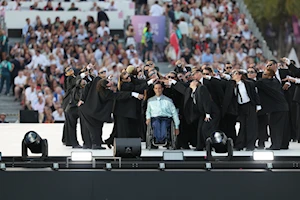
x,y
77,147
86,147
109,144
97,147
250,149
237,149
272,148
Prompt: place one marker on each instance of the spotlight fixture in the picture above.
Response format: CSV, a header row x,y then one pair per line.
x,y
108,166
35,143
263,155
55,166
162,166
2,166
219,143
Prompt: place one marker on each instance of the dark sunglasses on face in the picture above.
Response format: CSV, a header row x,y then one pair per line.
x,y
228,68
126,78
251,72
269,65
102,72
171,77
151,74
265,74
206,74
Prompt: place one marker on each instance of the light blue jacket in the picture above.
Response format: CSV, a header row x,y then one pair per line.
x,y
162,107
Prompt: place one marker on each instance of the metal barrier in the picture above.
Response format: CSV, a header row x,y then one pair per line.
x,y
267,53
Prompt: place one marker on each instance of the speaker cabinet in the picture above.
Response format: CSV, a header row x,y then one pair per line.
x,y
29,116
127,147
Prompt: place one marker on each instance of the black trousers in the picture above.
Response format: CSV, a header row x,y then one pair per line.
x,y
72,117
126,127
263,121
206,129
185,132
278,121
248,127
227,125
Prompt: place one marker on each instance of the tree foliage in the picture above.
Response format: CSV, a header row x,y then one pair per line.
x,y
273,10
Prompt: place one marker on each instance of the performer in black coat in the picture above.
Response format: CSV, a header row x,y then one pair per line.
x,y
274,103
72,116
198,106
69,84
288,90
248,104
126,111
97,107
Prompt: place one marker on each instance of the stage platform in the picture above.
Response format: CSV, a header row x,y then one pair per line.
x,y
11,136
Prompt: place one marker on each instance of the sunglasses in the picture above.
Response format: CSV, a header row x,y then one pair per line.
x,y
228,68
265,74
251,72
102,72
171,77
151,74
269,65
188,76
206,74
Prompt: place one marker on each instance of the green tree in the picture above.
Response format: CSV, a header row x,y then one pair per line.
x,y
276,11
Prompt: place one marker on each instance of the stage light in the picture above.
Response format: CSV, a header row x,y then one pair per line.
x,y
55,166
35,143
269,166
219,143
108,166
2,166
162,166
263,155
81,156
208,166
173,155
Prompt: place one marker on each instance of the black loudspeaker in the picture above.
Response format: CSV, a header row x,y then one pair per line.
x,y
127,147
29,116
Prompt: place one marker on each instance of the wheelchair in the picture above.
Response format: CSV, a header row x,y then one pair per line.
x,y
170,142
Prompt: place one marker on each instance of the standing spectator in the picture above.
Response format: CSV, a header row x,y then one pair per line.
x,y
102,16
26,27
156,10
149,44
3,41
5,69
207,57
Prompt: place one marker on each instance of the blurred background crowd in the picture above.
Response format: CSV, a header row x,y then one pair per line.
x,y
206,32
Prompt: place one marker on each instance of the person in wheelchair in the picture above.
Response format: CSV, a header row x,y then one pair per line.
x,y
160,112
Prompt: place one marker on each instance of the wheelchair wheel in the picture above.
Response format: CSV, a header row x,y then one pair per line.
x,y
173,137
149,135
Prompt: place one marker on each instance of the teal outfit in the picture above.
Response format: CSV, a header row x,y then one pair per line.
x,y
149,41
5,69
162,107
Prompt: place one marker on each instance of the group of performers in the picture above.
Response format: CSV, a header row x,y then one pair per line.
x,y
206,101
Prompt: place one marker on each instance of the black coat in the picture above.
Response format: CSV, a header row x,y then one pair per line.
x,y
296,73
215,88
230,105
271,96
70,83
130,108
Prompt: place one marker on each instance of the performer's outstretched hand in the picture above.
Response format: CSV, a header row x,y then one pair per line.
x,y
80,103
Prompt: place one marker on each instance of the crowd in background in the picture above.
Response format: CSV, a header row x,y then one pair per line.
x,y
204,32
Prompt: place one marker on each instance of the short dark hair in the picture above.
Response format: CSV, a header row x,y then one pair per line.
x,y
208,69
273,61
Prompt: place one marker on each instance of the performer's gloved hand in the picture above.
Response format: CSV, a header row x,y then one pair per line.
x,y
137,95
80,103
207,118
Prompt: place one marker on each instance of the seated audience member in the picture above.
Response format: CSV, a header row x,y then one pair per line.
x,y
2,118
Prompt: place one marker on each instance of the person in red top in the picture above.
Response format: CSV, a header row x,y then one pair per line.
x,y
48,6
174,42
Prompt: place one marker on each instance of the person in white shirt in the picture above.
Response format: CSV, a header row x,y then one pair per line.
x,y
59,115
38,60
112,6
156,10
19,82
248,104
102,28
